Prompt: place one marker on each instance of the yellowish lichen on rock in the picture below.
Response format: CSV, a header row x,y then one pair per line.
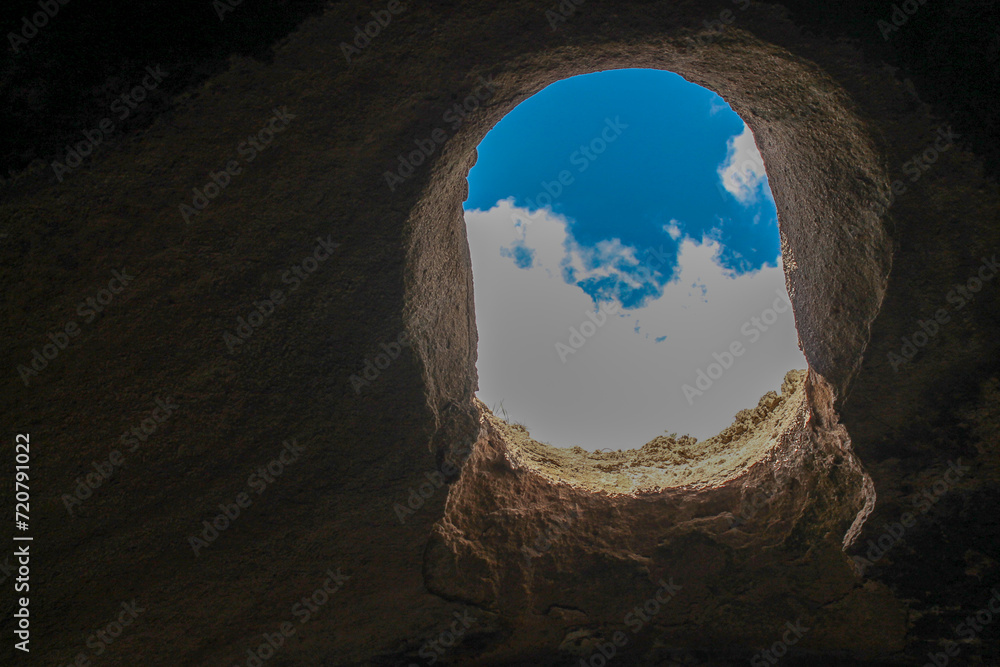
x,y
666,462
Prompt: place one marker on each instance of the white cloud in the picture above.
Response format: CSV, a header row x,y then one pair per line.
x,y
622,387
743,173
673,228
716,105
554,251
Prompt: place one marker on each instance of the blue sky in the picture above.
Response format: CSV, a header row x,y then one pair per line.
x,y
636,189
662,167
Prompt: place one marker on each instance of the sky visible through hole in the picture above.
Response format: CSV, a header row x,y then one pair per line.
x,y
627,263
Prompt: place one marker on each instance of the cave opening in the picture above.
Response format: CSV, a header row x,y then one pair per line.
x,y
784,474
628,272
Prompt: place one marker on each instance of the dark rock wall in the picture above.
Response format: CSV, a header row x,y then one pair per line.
x,y
836,126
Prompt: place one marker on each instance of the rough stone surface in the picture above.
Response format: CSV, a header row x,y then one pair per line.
x,y
405,484
530,528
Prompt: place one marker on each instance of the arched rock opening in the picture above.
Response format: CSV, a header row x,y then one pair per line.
x,y
527,531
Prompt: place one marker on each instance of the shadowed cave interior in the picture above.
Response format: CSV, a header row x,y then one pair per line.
x,y
849,520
